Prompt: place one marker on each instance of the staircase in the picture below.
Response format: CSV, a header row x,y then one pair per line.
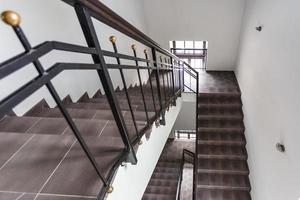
x,y
222,170
165,178
40,144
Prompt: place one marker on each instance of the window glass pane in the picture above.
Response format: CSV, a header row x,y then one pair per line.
x,y
180,45
171,44
198,45
189,45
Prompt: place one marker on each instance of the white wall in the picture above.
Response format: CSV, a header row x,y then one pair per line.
x,y
215,21
186,119
131,181
55,20
268,73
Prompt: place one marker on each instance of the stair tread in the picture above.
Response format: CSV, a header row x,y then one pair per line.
x,y
223,181
215,194
221,138
225,166
222,151
152,189
158,196
57,126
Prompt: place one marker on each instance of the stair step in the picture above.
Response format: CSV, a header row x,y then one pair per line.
x,y
222,152
166,170
163,182
223,181
159,176
167,164
220,123
158,197
222,166
91,114
220,109
225,130
220,117
161,189
215,194
236,105
105,106
219,96
58,126
219,138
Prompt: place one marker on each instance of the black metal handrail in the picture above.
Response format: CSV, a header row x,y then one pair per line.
x,y
167,71
183,161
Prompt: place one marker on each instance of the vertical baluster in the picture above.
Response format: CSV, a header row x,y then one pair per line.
x,y
150,81
13,19
162,112
163,79
140,81
173,81
168,83
182,74
113,40
89,32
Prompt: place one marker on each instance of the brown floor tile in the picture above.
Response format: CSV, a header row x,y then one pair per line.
x,y
10,143
53,126
76,176
17,124
28,169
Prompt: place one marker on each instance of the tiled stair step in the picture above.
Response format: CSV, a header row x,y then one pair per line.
x,y
158,197
220,110
105,106
210,88
208,194
238,130
219,95
168,164
161,190
202,116
222,152
218,138
69,172
229,105
133,100
91,114
222,166
57,126
170,176
167,169
223,181
220,123
219,100
163,182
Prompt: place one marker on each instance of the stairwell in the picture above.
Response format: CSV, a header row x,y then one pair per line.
x,y
165,178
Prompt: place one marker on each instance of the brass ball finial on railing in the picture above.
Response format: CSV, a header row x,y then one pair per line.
x,y
113,39
11,18
109,189
133,47
145,51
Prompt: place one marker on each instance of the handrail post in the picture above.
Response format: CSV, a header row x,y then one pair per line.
x,y
163,120
89,32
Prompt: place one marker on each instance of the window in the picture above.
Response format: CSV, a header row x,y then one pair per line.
x,y
192,52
